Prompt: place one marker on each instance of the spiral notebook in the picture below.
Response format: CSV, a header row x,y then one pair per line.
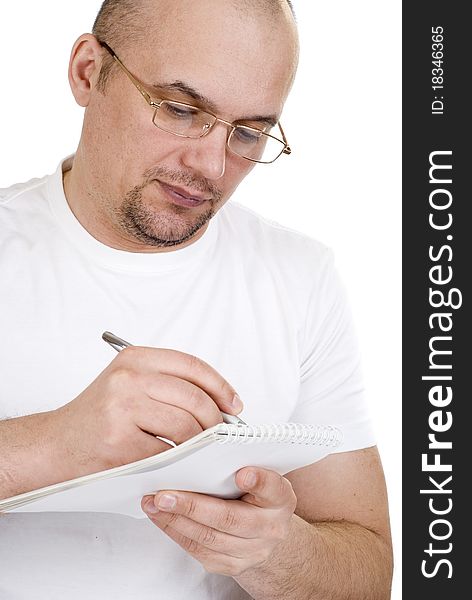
x,y
206,463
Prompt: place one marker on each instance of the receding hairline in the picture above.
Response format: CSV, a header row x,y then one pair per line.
x,y
122,23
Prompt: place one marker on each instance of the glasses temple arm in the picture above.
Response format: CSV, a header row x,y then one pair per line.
x,y
287,149
133,79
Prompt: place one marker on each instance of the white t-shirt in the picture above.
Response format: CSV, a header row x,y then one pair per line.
x,y
260,303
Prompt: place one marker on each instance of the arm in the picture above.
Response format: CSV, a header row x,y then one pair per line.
x,y
29,455
336,546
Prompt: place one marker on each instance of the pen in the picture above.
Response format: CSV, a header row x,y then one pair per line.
x,y
118,344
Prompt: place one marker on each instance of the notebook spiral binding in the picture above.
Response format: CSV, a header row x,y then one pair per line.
x,y
290,433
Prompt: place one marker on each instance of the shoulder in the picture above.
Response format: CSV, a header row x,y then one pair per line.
x,y
266,231
280,248
24,210
19,191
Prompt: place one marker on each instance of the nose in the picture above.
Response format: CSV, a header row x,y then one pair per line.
x,y
207,155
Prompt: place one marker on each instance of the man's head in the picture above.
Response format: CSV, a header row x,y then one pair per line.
x,y
141,187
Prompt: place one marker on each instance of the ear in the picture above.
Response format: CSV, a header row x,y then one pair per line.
x,y
84,67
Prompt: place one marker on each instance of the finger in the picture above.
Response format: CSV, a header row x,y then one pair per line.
x,y
166,420
265,488
183,366
229,516
187,396
148,445
214,562
141,446
203,535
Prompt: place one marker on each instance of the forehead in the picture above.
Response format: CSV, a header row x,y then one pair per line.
x,y
240,60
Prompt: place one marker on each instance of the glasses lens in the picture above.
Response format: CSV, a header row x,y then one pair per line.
x,y
182,119
255,144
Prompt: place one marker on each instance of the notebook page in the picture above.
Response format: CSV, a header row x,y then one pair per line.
x,y
209,470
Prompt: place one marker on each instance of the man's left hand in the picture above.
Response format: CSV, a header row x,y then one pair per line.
x,y
228,536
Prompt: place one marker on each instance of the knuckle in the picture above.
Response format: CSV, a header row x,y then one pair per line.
x,y
195,398
229,521
128,355
199,369
172,519
201,406
191,546
194,364
129,351
230,390
120,379
207,536
191,507
225,389
262,479
284,489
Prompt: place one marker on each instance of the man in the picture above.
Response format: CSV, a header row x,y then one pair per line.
x,y
134,234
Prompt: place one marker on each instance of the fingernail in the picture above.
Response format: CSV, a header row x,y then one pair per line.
x,y
236,402
250,480
150,507
167,502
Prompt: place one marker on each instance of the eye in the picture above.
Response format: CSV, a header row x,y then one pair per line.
x,y
247,136
178,111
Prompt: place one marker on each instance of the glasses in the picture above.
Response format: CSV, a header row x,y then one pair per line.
x,y
188,121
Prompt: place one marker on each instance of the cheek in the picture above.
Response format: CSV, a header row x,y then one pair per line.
x,y
113,136
129,135
239,167
142,146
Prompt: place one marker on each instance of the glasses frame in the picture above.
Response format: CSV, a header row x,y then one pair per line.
x,y
156,104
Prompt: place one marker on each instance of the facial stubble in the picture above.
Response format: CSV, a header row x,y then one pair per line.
x,y
175,225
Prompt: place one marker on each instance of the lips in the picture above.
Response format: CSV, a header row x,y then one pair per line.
x,y
180,196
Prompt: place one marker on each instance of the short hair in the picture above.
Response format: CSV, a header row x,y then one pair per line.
x,y
117,22
120,21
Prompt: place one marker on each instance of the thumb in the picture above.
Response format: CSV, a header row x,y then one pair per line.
x,y
265,488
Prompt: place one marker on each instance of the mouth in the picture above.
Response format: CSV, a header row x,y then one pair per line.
x,y
181,196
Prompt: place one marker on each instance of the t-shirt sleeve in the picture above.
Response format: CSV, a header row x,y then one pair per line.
x,y
331,388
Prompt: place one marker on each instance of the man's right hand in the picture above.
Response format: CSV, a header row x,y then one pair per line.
x,y
142,393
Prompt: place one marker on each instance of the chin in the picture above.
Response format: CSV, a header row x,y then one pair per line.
x,y
164,230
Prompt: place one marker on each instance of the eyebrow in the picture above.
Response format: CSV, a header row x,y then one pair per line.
x,y
206,103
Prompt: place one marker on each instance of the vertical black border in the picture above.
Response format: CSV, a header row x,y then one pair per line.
x,y
423,133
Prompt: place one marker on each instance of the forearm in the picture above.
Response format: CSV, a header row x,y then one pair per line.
x,y
336,560
29,459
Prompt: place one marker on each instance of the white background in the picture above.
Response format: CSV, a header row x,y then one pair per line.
x,y
341,185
